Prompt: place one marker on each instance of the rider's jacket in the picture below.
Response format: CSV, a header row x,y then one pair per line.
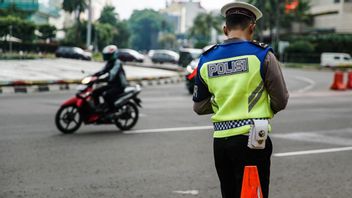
x,y
116,74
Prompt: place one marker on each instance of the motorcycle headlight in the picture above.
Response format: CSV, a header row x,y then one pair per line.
x,y
86,80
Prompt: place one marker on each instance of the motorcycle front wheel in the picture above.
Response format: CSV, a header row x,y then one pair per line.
x,y
128,118
68,119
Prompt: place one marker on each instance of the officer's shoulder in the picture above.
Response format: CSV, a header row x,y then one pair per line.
x,y
209,49
260,44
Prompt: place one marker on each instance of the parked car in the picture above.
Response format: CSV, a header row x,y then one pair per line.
x,y
191,69
164,56
190,74
187,55
73,52
129,55
328,59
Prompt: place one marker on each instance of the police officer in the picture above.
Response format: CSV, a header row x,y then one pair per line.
x,y
116,78
239,81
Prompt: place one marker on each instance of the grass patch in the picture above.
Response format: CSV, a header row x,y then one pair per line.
x,y
25,56
96,56
302,65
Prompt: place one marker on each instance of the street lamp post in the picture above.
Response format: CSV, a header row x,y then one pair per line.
x,y
277,21
89,25
10,41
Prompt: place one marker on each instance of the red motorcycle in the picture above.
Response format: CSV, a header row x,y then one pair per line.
x,y
81,108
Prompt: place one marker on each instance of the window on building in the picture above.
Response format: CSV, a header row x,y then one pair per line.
x,y
337,1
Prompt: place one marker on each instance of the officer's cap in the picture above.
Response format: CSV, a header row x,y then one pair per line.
x,y
241,8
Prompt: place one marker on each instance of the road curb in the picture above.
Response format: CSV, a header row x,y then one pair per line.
x,y
21,86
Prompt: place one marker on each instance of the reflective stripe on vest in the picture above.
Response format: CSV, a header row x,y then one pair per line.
x,y
238,92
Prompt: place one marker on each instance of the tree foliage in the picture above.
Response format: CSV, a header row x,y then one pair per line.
x,y
202,28
273,8
47,31
120,33
145,26
20,28
108,15
77,7
168,41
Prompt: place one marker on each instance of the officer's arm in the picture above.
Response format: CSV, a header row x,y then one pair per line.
x,y
201,96
203,107
275,83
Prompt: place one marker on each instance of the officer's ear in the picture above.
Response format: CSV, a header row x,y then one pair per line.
x,y
252,28
225,30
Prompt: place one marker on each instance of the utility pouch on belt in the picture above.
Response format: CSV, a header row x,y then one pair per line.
x,y
258,134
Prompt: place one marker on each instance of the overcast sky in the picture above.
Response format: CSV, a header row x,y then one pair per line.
x,y
125,7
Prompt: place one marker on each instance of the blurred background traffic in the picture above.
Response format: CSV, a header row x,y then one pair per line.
x,y
169,151
299,30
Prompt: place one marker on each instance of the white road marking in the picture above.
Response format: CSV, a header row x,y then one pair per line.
x,y
310,85
187,192
319,137
167,130
300,136
308,152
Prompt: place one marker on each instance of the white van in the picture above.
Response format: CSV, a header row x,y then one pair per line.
x,y
328,59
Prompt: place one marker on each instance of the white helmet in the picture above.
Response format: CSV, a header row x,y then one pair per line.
x,y
110,53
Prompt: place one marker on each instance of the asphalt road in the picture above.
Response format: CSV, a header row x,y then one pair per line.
x,y
169,152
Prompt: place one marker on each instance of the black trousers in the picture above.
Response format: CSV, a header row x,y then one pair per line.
x,y
109,94
232,155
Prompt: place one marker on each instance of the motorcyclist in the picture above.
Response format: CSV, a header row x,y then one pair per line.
x,y
116,79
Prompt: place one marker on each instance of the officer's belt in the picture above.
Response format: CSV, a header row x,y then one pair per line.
x,y
226,125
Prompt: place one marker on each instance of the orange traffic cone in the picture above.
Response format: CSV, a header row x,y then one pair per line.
x,y
349,80
251,183
338,81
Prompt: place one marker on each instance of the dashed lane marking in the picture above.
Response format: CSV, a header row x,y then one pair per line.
x,y
167,130
187,192
310,85
309,152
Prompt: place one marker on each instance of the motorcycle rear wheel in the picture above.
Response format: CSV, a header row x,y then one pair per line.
x,y
128,118
68,119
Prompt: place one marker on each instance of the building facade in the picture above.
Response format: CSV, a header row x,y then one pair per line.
x,y
332,15
26,5
182,14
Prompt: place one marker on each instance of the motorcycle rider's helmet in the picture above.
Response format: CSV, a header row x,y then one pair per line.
x,y
110,53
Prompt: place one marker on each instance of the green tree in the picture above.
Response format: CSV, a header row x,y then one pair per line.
x,y
123,34
47,31
21,29
300,14
77,7
202,26
108,15
145,26
102,34
168,41
270,11
120,33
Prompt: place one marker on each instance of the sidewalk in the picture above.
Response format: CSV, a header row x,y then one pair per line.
x,y
16,73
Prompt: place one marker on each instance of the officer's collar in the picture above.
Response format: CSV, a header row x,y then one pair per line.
x,y
233,40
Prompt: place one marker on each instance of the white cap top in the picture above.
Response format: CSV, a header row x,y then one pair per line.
x,y
242,5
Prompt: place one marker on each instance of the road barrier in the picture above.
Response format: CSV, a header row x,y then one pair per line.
x,y
349,80
22,86
338,83
251,183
